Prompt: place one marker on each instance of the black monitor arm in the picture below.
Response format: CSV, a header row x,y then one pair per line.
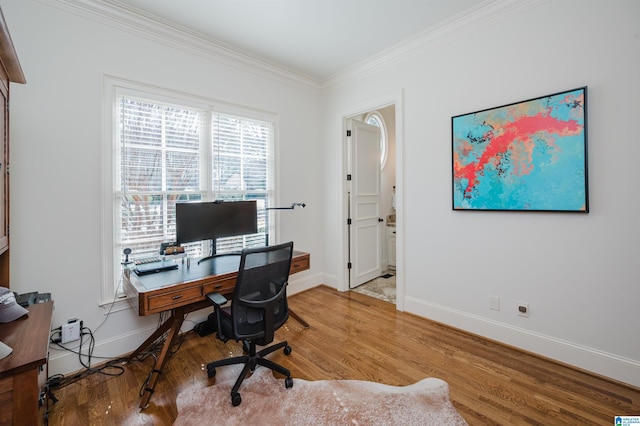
x,y
293,205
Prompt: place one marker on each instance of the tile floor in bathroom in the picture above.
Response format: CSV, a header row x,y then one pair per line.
x,y
383,287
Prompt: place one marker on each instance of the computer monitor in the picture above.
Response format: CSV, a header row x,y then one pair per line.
x,y
199,221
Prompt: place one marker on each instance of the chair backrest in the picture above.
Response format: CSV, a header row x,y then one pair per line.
x,y
259,304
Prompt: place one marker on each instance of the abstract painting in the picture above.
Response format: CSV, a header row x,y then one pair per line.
x,y
525,156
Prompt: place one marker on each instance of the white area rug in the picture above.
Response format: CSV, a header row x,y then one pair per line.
x,y
266,401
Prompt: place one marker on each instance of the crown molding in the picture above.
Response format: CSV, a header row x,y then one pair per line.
x,y
140,23
483,14
135,21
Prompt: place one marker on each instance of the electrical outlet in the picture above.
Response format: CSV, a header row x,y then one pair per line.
x,y
523,309
494,303
71,331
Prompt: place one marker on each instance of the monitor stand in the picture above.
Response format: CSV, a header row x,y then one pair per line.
x,y
214,254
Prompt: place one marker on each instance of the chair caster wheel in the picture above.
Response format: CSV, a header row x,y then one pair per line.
x,y
288,382
211,372
287,350
235,399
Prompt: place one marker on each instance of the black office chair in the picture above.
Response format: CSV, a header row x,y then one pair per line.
x,y
258,308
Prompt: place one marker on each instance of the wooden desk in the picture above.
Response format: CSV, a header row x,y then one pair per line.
x,y
20,371
181,291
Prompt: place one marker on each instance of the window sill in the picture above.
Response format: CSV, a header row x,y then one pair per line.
x,y
121,303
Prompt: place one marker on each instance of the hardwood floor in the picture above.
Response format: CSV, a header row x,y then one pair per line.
x,y
354,336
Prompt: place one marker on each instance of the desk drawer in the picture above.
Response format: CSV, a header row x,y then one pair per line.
x,y
173,299
220,286
6,401
299,264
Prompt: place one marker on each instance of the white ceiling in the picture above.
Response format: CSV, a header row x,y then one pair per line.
x,y
318,38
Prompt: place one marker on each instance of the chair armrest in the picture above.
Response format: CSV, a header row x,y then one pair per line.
x,y
217,299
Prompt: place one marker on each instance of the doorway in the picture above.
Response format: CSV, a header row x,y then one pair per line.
x,y
390,109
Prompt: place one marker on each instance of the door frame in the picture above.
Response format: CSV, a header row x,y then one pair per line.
x,y
395,98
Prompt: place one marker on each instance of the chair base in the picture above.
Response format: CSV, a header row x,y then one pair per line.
x,y
251,361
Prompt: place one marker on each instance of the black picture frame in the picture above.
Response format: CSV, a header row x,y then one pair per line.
x,y
524,156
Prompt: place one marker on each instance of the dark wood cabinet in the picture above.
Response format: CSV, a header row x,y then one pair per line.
x,y
10,72
23,373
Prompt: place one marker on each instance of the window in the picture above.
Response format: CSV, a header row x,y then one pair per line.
x,y
375,119
170,150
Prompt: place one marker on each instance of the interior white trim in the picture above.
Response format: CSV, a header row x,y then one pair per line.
x,y
134,21
557,350
111,87
485,13
395,98
63,361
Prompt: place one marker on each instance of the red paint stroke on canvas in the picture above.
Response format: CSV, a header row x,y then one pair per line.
x,y
522,130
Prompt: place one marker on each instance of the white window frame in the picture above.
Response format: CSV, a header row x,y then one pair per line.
x,y
113,87
384,144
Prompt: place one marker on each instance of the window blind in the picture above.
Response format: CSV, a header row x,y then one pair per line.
x,y
167,153
242,169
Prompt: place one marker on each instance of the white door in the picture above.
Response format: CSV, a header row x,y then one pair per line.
x,y
365,224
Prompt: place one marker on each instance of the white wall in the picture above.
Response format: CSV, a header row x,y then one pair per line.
x,y
578,272
56,165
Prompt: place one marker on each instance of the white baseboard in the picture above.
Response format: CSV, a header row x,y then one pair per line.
x,y
589,359
65,362
599,362
329,281
302,284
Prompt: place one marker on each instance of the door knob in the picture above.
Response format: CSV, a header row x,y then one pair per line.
x,y
380,219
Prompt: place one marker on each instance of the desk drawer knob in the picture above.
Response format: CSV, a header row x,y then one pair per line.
x,y
177,296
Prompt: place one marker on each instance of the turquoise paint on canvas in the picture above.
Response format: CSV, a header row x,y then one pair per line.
x,y
524,156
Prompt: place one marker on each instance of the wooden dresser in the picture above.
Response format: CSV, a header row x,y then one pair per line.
x,y
10,72
23,373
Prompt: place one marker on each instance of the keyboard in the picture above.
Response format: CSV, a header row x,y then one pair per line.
x,y
155,267
43,297
28,299
146,260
